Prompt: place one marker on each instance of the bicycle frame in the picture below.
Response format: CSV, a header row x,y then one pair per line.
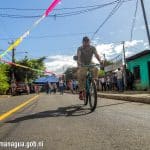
x,y
90,93
89,78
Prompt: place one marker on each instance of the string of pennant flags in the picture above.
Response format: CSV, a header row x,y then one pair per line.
x,y
22,37
25,67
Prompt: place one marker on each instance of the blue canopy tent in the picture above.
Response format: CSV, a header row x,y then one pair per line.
x,y
50,79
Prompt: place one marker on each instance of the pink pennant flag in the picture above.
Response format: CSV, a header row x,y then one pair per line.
x,y
51,7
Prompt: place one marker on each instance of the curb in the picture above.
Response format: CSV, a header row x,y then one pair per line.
x,y
5,96
145,100
126,98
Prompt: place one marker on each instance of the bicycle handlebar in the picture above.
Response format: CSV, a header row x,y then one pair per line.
x,y
94,65
91,65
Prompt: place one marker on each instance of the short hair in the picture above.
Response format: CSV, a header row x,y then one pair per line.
x,y
85,39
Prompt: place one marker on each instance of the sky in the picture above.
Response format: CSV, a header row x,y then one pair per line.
x,y
58,38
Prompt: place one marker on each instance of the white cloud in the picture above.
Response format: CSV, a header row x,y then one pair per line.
x,y
146,45
105,48
111,50
132,43
118,48
59,63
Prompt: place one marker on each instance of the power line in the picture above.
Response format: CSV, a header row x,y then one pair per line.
x,y
69,8
116,58
146,22
65,14
50,36
114,10
134,20
57,9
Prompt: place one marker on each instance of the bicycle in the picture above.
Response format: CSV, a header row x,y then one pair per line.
x,y
90,93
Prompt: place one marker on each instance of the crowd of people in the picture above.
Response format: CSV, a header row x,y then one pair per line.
x,y
111,82
61,86
115,81
50,87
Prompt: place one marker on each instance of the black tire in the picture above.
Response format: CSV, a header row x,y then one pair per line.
x,y
93,96
86,99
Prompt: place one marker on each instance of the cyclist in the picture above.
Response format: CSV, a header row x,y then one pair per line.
x,y
84,57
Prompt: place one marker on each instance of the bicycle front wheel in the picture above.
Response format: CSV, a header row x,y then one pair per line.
x,y
93,96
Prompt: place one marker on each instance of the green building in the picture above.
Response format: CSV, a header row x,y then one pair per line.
x,y
139,65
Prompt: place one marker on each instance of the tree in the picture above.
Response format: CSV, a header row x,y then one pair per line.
x,y
107,63
28,75
71,73
4,79
101,73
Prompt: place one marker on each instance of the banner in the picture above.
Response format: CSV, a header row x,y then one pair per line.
x,y
20,39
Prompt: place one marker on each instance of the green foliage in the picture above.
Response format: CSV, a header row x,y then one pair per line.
x,y
101,73
107,63
27,75
4,85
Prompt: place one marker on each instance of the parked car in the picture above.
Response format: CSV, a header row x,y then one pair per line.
x,y
22,88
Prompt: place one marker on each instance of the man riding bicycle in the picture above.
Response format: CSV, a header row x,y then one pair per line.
x,y
84,57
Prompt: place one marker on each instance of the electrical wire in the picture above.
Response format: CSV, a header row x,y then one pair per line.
x,y
51,36
65,14
114,10
58,9
134,20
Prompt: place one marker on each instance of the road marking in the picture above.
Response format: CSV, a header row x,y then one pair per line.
x,y
12,111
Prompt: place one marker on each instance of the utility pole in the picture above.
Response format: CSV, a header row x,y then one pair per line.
x,y
146,22
102,66
104,56
13,55
13,60
124,65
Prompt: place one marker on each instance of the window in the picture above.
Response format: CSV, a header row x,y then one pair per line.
x,y
136,72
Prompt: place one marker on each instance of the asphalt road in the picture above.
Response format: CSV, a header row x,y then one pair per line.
x,y
59,122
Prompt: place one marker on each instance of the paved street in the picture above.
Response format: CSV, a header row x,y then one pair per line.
x,y
63,123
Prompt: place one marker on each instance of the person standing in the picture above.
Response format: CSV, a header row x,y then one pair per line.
x,y
103,83
131,80
108,83
74,85
70,86
77,87
49,88
114,82
13,87
120,80
36,88
61,86
54,88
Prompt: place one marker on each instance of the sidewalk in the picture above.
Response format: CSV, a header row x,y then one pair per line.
x,y
132,96
136,96
4,96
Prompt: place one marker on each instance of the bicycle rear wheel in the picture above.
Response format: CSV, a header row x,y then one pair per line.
x,y
93,96
86,98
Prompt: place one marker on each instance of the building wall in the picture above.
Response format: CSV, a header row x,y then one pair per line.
x,y
143,63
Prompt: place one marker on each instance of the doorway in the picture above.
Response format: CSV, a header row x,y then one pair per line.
x,y
149,71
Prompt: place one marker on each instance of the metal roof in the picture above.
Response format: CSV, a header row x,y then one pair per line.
x,y
138,55
51,79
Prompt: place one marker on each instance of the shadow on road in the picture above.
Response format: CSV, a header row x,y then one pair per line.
x,y
113,104
74,110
